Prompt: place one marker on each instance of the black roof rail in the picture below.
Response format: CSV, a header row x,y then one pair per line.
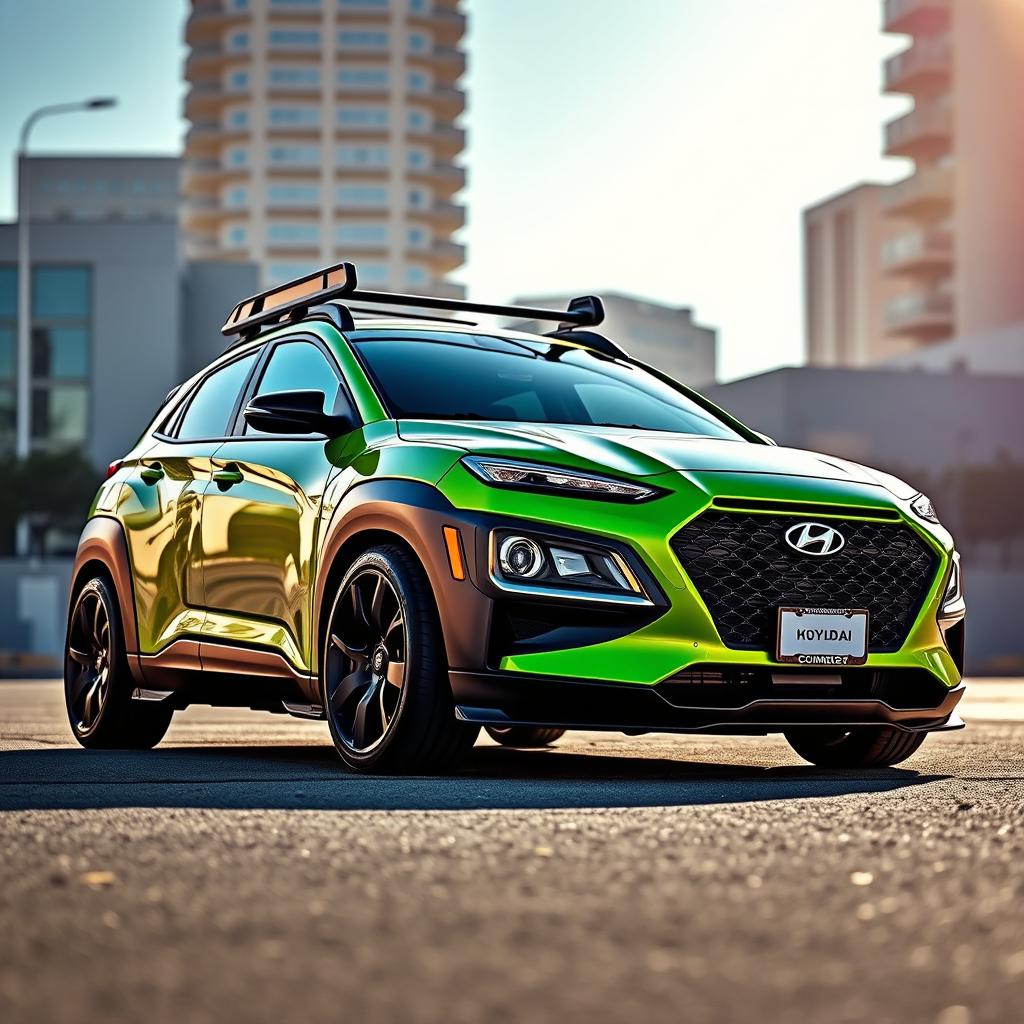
x,y
340,282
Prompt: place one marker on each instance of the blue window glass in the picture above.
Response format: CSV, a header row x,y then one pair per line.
x,y
7,344
212,404
60,352
298,366
60,292
9,292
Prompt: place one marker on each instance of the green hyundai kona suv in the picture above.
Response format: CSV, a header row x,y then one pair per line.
x,y
414,527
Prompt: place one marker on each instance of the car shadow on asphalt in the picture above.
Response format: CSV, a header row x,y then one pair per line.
x,y
311,778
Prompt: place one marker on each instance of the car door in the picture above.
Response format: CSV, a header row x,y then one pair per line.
x,y
161,502
261,515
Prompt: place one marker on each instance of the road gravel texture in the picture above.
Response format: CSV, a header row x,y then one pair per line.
x,y
238,873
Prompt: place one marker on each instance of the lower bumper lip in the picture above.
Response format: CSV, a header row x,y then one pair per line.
x,y
495,699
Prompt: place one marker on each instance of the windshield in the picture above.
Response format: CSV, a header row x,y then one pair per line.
x,y
480,377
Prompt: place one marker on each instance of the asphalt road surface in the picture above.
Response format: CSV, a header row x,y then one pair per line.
x,y
237,873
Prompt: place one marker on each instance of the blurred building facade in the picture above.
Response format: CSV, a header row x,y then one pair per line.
x,y
118,316
326,129
666,336
950,236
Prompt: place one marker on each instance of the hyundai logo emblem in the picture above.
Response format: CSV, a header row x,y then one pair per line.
x,y
815,539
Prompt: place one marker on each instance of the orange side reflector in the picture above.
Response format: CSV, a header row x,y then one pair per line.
x,y
454,546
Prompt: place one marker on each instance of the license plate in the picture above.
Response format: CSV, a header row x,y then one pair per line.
x,y
823,636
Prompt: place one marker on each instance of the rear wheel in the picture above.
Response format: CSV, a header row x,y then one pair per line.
x,y
523,735
97,681
868,747
384,678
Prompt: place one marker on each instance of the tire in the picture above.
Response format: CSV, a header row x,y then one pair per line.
x,y
868,747
384,677
524,736
97,681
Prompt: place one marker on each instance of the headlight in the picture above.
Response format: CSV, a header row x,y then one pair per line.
x,y
922,507
529,476
545,566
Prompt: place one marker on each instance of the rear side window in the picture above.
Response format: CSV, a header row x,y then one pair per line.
x,y
298,366
211,406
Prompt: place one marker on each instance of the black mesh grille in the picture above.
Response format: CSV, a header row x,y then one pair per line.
x,y
744,571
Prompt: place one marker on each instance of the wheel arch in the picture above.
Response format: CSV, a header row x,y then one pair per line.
x,y
103,548
409,514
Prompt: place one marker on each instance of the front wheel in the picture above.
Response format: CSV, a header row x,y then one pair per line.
x,y
384,677
97,681
868,747
523,736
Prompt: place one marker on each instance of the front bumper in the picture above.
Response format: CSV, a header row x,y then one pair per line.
x,y
515,698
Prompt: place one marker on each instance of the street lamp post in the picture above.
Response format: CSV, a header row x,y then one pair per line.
x,y
23,408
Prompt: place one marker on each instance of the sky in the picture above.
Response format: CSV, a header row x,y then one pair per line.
x,y
663,148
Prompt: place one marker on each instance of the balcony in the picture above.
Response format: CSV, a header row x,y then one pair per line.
x,y
446,178
919,252
448,216
925,195
923,134
926,315
448,142
449,62
916,17
202,97
922,69
449,26
448,255
448,102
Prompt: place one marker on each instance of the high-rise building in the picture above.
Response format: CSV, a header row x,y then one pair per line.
x,y
950,234
846,289
921,251
323,130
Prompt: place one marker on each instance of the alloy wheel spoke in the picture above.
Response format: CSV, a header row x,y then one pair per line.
x,y
376,604
358,606
80,685
348,685
90,707
396,623
97,625
82,657
395,674
352,653
359,722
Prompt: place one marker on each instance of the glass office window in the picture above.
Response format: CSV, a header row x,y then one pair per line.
x,y
60,353
60,414
60,292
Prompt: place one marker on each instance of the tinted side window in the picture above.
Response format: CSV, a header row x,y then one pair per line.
x,y
298,366
214,401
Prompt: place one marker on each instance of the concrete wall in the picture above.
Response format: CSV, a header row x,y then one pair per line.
x,y
33,610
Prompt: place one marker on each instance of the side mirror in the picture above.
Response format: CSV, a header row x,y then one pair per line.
x,y
295,412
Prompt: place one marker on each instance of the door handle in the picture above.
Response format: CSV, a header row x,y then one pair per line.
x,y
152,473
227,477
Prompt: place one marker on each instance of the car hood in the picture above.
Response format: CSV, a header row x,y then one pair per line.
x,y
631,452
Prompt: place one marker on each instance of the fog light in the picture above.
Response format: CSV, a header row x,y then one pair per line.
x,y
520,556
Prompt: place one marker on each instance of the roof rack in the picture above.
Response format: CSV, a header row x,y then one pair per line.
x,y
295,299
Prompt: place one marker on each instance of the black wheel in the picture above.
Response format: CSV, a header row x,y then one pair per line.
x,y
866,747
523,735
97,682
384,678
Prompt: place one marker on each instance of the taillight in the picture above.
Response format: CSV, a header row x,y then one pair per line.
x,y
114,467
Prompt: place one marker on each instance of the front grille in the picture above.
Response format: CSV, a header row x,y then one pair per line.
x,y
745,571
